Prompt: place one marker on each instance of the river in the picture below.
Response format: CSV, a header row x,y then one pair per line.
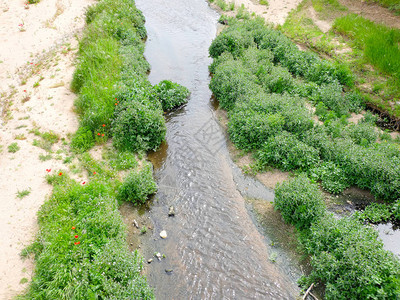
x,y
214,248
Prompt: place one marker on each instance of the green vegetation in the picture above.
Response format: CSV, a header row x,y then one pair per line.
x,y
268,85
391,4
369,49
170,94
13,147
80,249
349,258
138,186
300,202
379,43
23,193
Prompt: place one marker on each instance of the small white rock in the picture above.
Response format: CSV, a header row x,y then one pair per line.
x,y
163,234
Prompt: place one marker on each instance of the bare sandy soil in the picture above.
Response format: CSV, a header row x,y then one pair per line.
x,y
275,13
37,54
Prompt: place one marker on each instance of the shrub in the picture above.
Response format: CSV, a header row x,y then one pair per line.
x,y
170,94
350,260
232,41
138,185
374,213
300,202
82,139
286,152
232,81
249,129
362,133
332,178
137,126
278,80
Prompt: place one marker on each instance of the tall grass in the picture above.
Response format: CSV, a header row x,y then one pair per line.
x,y
380,43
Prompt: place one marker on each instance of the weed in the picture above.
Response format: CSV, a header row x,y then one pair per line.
x,y
143,230
13,147
36,84
23,280
43,157
20,137
23,193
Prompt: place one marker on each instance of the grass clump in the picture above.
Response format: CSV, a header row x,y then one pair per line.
x,y
170,94
138,186
23,193
13,147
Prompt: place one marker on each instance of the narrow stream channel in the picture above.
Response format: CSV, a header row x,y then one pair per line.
x,y
214,248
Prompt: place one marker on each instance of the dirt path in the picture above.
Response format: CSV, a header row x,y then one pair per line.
x,y
36,65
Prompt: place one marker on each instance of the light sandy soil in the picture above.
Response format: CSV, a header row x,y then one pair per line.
x,y
38,45
276,12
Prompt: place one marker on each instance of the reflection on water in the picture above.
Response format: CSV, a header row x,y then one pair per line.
x,y
213,247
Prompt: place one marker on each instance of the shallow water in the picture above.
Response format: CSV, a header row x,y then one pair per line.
x,y
214,248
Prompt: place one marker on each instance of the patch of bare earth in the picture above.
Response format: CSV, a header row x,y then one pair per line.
x,y
275,13
37,54
373,12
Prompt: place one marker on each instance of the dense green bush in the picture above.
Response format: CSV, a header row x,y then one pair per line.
x,y
349,258
232,41
137,126
287,152
138,185
374,213
170,94
231,82
300,202
250,129
278,80
333,179
362,133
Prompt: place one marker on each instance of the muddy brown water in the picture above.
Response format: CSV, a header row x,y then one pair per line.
x,y
215,247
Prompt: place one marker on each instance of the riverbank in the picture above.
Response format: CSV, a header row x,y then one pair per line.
x,y
264,81
36,66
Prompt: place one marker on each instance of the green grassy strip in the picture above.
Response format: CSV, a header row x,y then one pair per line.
x,y
380,43
81,251
262,79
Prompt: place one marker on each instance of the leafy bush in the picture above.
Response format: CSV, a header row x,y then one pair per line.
x,y
349,258
278,80
374,213
232,41
300,202
231,82
362,133
250,129
332,178
137,126
286,152
170,94
138,185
